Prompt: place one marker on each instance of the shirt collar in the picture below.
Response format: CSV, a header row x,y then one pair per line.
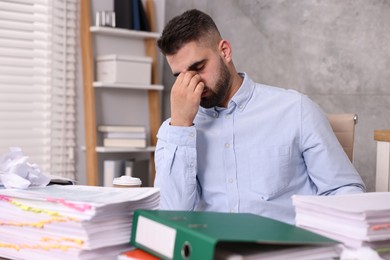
x,y
238,101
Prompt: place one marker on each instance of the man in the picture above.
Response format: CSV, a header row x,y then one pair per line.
x,y
233,145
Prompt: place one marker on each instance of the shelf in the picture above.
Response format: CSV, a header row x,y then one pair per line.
x,y
98,84
102,149
124,32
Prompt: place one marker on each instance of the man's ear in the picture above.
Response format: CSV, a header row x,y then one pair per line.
x,y
225,50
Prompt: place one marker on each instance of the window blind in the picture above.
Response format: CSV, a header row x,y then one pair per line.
x,y
38,46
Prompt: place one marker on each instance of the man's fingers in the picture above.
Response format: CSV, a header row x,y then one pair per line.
x,y
188,77
187,80
199,89
194,82
179,78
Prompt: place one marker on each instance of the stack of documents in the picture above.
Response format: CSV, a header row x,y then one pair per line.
x,y
357,220
216,235
69,222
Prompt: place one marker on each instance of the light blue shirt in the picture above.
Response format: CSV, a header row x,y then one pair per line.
x,y
268,144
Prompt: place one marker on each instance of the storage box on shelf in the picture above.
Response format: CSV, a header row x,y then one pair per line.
x,y
124,69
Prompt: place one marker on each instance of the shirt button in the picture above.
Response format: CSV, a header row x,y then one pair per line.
x,y
240,106
230,180
227,116
227,145
192,134
192,165
232,210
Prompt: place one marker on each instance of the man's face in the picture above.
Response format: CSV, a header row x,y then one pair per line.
x,y
209,65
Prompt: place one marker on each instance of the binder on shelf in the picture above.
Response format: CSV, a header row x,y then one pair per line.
x,y
111,170
136,15
131,14
196,234
123,14
144,20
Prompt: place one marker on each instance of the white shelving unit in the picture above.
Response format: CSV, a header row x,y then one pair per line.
x,y
118,103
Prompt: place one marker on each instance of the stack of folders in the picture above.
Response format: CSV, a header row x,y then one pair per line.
x,y
123,136
69,222
213,235
357,220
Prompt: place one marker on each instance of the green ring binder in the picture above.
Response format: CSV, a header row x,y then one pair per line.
x,y
186,250
192,235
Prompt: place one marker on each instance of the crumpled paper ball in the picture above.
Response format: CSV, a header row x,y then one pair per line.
x,y
16,172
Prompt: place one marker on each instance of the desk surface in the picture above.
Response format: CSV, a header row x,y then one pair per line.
x,y
382,135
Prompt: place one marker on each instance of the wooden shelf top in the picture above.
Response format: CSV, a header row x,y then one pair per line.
x,y
124,32
382,135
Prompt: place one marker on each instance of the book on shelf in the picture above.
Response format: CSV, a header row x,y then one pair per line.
x,y
211,235
69,221
122,128
357,220
129,135
119,142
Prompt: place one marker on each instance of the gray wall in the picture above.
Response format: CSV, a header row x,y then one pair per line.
x,y
336,52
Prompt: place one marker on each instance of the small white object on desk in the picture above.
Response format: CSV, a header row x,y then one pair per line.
x,y
126,182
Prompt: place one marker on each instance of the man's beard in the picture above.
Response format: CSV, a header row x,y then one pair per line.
x,y
221,88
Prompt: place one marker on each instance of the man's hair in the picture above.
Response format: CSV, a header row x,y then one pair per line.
x,y
192,25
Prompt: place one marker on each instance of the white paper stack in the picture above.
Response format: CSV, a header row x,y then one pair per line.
x,y
70,221
357,220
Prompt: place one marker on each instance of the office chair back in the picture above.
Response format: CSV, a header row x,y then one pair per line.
x,y
343,126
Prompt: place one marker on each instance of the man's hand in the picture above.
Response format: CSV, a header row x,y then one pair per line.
x,y
185,98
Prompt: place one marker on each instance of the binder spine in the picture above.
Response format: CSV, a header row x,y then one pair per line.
x,y
169,241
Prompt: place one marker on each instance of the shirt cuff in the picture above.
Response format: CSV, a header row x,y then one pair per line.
x,y
182,135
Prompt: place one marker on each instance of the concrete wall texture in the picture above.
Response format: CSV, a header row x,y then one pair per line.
x,y
336,52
